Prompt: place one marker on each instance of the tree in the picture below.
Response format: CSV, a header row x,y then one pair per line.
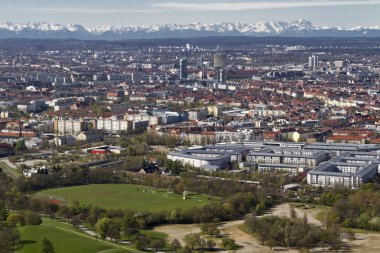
x,y
47,246
157,244
75,221
3,211
14,236
210,244
305,223
15,218
32,218
5,242
334,237
210,229
102,226
193,240
292,211
228,243
20,145
175,245
129,232
186,249
113,231
142,242
270,243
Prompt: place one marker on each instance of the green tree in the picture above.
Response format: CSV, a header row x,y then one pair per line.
x,y
228,243
292,211
270,243
32,218
175,245
15,218
47,246
141,242
193,240
210,229
114,230
3,211
210,244
102,226
75,221
20,145
14,236
157,244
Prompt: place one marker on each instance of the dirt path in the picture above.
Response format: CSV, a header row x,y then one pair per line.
x,y
248,243
178,231
283,210
366,242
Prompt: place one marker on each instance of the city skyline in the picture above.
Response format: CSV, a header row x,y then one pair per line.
x,y
344,13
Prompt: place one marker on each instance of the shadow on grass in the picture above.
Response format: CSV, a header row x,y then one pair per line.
x,y
23,243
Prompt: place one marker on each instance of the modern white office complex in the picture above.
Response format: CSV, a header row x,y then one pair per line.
x,y
310,158
289,157
350,169
209,157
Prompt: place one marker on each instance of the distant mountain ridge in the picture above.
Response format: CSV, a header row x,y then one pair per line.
x,y
299,28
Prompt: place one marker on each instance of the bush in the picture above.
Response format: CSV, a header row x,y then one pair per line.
x,y
32,218
228,243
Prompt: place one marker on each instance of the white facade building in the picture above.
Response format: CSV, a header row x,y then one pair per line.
x,y
350,169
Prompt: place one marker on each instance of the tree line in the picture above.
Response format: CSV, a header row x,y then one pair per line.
x,y
359,209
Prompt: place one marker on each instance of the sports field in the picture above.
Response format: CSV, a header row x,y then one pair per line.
x,y
64,239
125,196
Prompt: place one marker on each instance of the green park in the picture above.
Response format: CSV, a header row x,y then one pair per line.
x,y
126,196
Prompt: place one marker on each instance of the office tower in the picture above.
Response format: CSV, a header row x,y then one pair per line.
x,y
220,60
313,62
200,63
316,61
182,68
221,75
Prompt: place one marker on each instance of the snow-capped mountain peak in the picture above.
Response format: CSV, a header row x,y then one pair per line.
x,y
300,27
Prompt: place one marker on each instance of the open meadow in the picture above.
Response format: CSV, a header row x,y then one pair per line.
x,y
64,239
125,196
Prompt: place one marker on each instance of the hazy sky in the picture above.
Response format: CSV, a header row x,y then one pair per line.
x,y
346,13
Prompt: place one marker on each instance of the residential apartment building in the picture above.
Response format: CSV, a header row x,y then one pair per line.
x,y
113,125
70,126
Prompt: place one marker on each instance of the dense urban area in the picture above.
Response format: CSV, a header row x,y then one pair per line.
x,y
220,144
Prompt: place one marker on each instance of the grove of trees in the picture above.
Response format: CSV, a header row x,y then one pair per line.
x,y
292,232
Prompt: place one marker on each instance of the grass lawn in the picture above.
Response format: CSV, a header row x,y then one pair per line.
x,y
154,234
64,239
126,196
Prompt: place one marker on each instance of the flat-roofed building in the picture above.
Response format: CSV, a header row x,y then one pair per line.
x,y
310,158
209,157
350,169
70,126
207,161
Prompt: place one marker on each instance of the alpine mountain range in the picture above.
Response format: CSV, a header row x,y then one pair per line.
x,y
299,28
